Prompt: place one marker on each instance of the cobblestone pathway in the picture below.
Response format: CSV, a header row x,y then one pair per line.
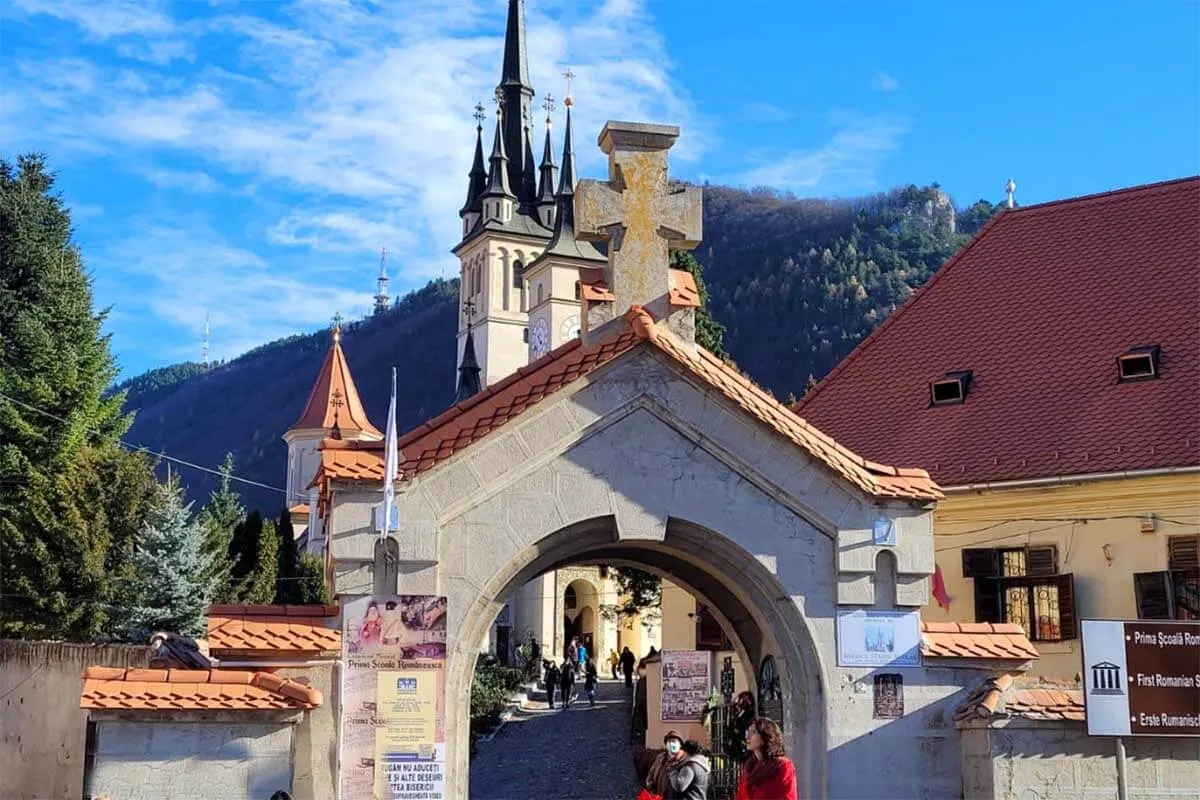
x,y
579,754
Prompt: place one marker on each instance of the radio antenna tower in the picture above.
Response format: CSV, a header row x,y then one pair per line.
x,y
204,350
381,294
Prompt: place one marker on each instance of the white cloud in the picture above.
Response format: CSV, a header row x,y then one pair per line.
x,y
884,82
350,124
764,112
847,161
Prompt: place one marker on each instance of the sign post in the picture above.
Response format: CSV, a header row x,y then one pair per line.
x,y
1141,678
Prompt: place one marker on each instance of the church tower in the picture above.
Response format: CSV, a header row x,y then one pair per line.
x,y
506,222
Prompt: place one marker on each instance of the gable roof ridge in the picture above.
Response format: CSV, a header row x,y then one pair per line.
x,y
1143,188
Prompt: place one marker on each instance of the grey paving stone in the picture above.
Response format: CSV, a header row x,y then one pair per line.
x,y
579,754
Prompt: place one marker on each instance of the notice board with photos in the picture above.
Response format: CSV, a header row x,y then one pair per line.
x,y
393,709
1141,678
686,684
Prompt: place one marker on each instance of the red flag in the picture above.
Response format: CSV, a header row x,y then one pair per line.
x,y
939,589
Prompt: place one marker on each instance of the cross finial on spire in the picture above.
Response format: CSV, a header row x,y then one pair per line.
x,y
337,327
570,76
548,105
479,115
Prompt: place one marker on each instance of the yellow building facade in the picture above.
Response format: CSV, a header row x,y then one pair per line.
x,y
1103,533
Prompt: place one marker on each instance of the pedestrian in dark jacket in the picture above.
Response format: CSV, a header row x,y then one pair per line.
x,y
551,679
566,682
628,659
688,776
589,682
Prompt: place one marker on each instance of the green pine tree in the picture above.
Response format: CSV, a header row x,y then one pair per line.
x,y
710,334
288,589
55,420
254,551
313,589
171,587
218,520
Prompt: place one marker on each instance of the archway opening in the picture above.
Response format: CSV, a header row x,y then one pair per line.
x,y
730,588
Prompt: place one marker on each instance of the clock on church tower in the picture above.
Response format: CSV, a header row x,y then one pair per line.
x,y
539,338
569,329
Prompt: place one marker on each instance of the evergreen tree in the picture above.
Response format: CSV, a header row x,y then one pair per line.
x,y
171,587
55,420
288,589
218,520
710,334
312,580
254,553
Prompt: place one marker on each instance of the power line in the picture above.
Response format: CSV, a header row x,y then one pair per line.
x,y
140,449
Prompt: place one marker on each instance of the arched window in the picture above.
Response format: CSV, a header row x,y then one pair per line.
x,y
570,600
577,290
518,270
539,294
525,335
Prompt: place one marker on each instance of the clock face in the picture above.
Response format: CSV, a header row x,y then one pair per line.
x,y
539,338
569,329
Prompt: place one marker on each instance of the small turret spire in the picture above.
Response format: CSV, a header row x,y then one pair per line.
x,y
563,242
548,170
498,185
468,368
1010,189
528,193
477,182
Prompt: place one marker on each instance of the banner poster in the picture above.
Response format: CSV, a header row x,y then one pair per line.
x,y
685,685
393,725
879,638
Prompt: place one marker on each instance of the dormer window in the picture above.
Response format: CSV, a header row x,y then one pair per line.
x,y
951,389
1139,364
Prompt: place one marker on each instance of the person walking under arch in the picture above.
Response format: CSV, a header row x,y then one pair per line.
x,y
589,682
566,683
767,774
628,660
614,662
551,679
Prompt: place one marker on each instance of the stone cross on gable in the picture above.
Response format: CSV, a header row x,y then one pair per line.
x,y
639,215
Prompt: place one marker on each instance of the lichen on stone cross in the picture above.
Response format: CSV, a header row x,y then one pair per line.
x,y
638,214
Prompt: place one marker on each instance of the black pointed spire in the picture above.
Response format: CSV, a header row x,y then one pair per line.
x,y
517,93
528,191
548,170
498,185
477,183
564,243
468,371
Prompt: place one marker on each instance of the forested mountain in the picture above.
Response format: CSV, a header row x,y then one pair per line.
x,y
796,283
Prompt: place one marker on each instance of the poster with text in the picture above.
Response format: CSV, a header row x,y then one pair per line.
x,y
879,638
393,744
685,685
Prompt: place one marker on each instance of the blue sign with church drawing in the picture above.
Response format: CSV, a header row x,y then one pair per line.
x,y
879,638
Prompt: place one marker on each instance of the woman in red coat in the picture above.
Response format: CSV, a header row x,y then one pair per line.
x,y
766,774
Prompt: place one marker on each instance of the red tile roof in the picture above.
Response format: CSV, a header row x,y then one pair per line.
x,y
282,630
193,690
1038,306
1001,640
473,419
1006,696
334,397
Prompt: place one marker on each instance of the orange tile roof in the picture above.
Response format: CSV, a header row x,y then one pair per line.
x,y
471,420
286,630
592,285
1001,640
119,688
300,510
1005,696
683,291
334,398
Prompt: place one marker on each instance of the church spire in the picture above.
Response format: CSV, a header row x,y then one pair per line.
x,y
528,191
468,369
517,94
564,242
548,170
477,183
498,178
334,405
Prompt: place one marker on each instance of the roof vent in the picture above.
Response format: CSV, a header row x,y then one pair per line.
x,y
951,389
1139,364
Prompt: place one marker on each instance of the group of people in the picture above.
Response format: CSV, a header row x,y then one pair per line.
x,y
563,678
682,771
625,663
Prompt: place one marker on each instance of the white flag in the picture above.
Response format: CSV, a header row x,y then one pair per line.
x,y
391,462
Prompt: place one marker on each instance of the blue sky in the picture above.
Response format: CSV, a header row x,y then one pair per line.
x,y
248,160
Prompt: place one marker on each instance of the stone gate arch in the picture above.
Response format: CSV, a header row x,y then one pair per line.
x,y
756,610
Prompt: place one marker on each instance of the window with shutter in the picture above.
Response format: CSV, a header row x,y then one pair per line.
x,y
1183,553
1041,560
1067,627
1155,594
981,563
989,600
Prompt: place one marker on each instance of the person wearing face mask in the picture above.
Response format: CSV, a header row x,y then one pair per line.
x,y
688,777
658,781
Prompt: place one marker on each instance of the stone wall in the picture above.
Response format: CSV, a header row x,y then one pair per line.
x,y
315,758
43,731
188,760
1022,758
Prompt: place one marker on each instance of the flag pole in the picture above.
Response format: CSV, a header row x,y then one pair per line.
x,y
390,464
